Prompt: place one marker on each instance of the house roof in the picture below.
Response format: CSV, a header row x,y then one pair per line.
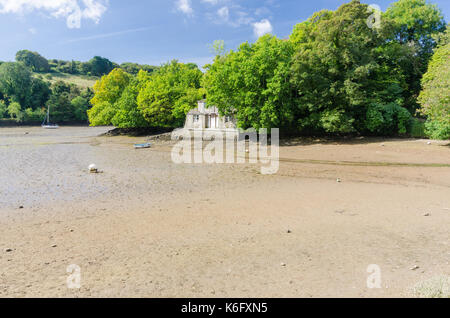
x,y
194,112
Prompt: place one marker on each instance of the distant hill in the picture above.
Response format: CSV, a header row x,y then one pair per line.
x,y
83,81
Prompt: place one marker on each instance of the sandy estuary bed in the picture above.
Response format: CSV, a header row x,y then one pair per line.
x,y
147,227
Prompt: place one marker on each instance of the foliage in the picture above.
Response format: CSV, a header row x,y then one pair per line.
x,y
107,91
414,24
33,60
68,103
162,99
341,69
80,106
15,112
387,119
252,82
134,68
435,96
15,82
99,66
3,108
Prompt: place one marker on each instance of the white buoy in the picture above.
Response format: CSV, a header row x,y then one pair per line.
x,y
93,168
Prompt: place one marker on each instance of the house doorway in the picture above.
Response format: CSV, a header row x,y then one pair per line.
x,y
212,121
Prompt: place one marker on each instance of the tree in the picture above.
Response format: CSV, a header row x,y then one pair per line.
x,y
344,74
15,112
99,66
3,109
253,83
61,103
435,96
159,99
128,115
414,24
40,93
108,91
80,106
134,68
33,60
15,82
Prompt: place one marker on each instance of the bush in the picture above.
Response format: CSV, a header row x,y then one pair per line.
x,y
15,112
437,130
2,109
388,119
418,129
34,116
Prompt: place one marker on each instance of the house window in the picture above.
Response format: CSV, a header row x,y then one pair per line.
x,y
196,118
227,119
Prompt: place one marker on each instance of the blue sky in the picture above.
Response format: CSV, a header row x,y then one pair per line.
x,y
149,31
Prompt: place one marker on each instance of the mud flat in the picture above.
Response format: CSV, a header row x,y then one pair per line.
x,y
147,227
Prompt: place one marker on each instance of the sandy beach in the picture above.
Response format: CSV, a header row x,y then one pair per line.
x,y
147,227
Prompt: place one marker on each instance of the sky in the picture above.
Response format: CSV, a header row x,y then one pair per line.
x,y
150,31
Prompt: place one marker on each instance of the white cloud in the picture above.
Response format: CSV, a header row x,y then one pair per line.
x,y
185,7
73,10
224,13
32,30
211,1
262,27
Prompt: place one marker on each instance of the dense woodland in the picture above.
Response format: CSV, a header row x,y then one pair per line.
x,y
30,85
340,72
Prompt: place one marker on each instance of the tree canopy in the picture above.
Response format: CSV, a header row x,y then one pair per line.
x,y
435,97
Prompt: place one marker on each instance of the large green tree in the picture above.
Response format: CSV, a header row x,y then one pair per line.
x,y
99,66
162,100
414,24
253,83
15,82
33,60
108,90
345,76
435,96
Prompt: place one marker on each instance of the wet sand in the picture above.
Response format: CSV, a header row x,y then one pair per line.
x,y
147,227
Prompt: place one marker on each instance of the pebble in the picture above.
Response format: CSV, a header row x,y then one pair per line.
x,y
289,231
414,267
427,214
21,207
283,264
8,250
338,180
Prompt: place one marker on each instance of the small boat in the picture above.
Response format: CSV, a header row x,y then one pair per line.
x,y
46,123
142,146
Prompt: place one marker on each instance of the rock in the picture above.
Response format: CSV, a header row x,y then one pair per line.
x,y
289,231
338,180
283,264
427,214
54,245
414,267
21,207
8,250
429,143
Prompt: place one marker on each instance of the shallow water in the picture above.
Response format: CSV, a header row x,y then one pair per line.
x,y
39,167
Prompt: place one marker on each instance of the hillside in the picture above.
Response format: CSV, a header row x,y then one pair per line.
x,y
83,81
